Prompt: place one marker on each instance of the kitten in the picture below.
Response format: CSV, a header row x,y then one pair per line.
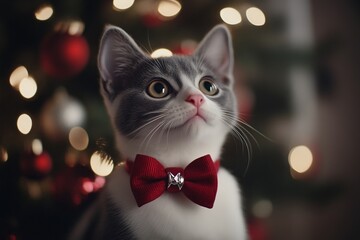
x,y
174,109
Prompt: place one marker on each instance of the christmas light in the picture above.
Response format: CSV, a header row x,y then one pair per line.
x,y
78,138
3,154
123,4
255,16
76,28
17,75
169,8
230,16
37,146
161,52
27,87
262,208
300,159
44,12
72,113
100,164
24,123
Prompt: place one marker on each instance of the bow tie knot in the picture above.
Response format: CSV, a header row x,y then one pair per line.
x,y
149,180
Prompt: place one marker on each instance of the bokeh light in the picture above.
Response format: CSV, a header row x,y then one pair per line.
x,y
255,16
262,208
44,12
123,4
28,87
169,8
37,146
230,16
161,52
100,164
76,28
24,123
72,113
78,138
300,159
3,154
17,75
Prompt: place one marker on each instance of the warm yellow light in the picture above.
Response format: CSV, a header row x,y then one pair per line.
x,y
123,4
101,165
24,123
78,138
17,75
27,87
255,16
169,8
230,15
161,52
3,154
44,12
300,159
37,146
76,28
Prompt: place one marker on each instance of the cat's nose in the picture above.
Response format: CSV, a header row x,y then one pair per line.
x,y
195,99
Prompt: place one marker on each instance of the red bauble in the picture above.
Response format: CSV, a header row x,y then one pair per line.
x,y
64,55
152,20
74,185
36,166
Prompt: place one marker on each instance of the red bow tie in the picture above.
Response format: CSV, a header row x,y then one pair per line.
x,y
149,180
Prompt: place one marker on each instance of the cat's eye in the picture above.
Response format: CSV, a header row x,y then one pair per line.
x,y
158,89
208,87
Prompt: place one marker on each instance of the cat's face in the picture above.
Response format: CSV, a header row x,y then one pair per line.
x,y
172,101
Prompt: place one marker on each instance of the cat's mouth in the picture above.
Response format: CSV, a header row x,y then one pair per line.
x,y
197,118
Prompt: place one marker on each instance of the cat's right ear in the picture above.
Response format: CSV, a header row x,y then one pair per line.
x,y
118,56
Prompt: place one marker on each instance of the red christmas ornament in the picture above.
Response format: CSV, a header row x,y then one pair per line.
x,y
152,20
63,54
36,166
74,185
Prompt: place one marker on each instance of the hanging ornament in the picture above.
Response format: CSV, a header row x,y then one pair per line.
x,y
257,230
36,166
64,52
152,20
60,114
74,185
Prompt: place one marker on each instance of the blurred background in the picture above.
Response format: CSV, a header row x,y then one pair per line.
x,y
297,81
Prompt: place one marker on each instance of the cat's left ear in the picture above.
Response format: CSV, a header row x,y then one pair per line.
x,y
216,49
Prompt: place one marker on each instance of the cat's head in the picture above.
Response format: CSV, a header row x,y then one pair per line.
x,y
163,105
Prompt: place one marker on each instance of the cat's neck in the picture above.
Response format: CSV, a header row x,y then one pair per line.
x,y
178,154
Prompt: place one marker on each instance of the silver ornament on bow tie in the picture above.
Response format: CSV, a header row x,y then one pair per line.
x,y
176,180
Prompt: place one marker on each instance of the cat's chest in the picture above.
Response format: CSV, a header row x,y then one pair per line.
x,y
173,216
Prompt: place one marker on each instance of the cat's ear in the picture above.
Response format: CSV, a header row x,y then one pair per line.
x,y
216,50
118,56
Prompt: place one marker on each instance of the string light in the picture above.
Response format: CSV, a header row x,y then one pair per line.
x,y
44,12
24,123
37,146
300,159
169,8
3,155
161,52
78,138
262,208
100,164
255,16
230,15
123,4
17,75
28,87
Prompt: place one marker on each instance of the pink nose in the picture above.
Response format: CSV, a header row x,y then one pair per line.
x,y
196,99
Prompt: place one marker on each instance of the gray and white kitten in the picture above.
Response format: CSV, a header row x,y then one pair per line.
x,y
174,109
